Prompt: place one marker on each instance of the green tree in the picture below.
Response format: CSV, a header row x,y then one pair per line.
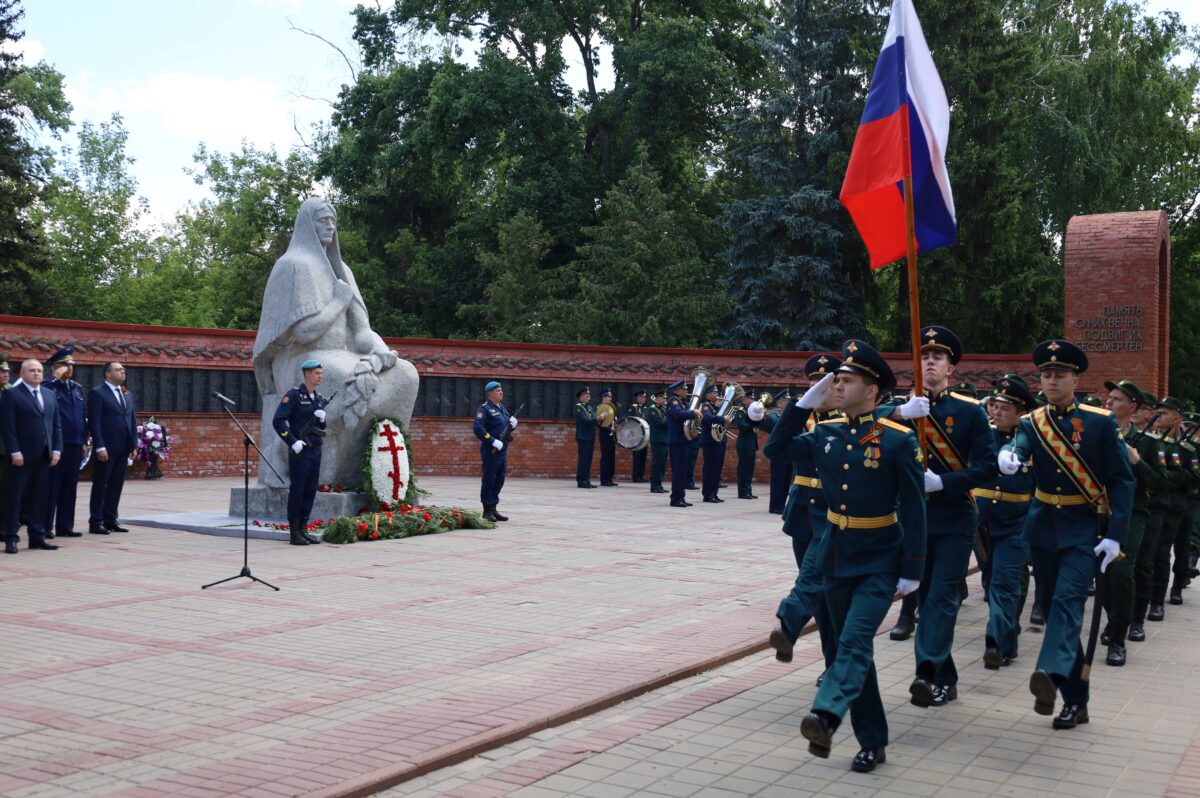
x,y
516,287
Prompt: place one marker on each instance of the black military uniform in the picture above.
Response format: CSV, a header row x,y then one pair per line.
x,y
585,439
300,422
493,427
64,477
781,470
608,446
678,445
656,417
639,409
747,449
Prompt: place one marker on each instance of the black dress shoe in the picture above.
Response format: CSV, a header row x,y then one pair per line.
x,y
680,504
775,512
744,496
1035,616
313,540
608,484
866,759
692,486
97,530
1137,633
819,733
944,695
1156,613
658,490
1072,715
49,536
718,498
781,643
992,659
1116,656
115,528
752,496
1176,596
496,513
67,533
44,546
10,547
712,500
1045,692
903,629
922,693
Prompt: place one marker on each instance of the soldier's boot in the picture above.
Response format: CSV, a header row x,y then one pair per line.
x,y
312,539
296,532
1193,571
496,513
1116,644
488,513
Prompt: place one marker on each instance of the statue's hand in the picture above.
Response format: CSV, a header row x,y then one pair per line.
x,y
387,358
342,292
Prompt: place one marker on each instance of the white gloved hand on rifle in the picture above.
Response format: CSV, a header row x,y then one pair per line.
x,y
297,446
497,444
512,422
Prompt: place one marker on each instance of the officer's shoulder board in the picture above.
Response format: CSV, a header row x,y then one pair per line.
x,y
1100,411
887,422
964,397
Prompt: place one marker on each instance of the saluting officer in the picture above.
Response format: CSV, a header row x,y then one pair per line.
x,y
639,409
64,477
1002,510
300,422
874,544
714,450
492,427
1120,586
656,417
961,455
585,438
1082,473
677,442
747,446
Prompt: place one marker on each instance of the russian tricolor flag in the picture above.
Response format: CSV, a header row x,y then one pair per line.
x,y
905,86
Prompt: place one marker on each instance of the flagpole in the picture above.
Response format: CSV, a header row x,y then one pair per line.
x,y
914,294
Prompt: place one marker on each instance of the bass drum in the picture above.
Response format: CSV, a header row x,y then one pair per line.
x,y
633,434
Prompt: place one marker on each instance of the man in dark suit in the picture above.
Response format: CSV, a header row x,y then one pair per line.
x,y
112,421
32,433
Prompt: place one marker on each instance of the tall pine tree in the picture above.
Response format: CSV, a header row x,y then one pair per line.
x,y
795,281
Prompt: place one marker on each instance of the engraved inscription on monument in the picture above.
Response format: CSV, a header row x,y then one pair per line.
x,y
1118,328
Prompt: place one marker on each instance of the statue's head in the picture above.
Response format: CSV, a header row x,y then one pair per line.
x,y
325,221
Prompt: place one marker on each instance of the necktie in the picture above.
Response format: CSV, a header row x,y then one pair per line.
x,y
120,397
37,394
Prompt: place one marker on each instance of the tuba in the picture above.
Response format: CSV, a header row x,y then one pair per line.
x,y
701,379
733,393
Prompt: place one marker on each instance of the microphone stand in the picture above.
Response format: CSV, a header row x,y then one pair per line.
x,y
247,442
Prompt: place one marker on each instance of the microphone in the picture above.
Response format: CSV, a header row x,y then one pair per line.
x,y
224,398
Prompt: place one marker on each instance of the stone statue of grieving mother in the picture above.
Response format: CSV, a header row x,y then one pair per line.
x,y
312,308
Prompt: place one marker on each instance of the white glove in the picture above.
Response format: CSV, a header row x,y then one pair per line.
x,y
906,586
917,407
1009,462
497,444
512,422
320,415
297,446
815,396
933,483
756,411
1110,549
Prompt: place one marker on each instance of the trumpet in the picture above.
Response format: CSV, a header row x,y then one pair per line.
x,y
758,408
733,393
701,379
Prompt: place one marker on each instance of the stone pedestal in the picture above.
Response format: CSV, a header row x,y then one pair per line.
x,y
1117,297
271,503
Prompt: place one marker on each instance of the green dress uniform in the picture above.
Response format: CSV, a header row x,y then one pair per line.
x,y
638,468
1079,462
1183,538
1120,586
871,473
1178,481
1147,559
656,417
747,452
585,441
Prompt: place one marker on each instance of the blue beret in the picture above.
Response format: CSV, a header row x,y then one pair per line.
x,y
310,364
491,386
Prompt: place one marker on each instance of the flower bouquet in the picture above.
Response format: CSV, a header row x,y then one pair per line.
x,y
154,446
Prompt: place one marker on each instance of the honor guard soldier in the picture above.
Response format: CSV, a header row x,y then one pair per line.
x,y
656,417
64,477
961,453
585,438
1120,586
873,546
1177,478
1084,487
714,450
781,470
677,442
1003,506
300,422
639,409
747,444
804,518
606,420
493,427
1147,418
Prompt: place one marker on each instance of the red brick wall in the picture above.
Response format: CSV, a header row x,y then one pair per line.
x,y
1117,298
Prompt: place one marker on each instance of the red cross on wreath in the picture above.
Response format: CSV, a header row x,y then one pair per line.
x,y
390,433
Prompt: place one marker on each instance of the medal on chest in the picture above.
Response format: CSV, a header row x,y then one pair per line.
x,y
1077,435
872,452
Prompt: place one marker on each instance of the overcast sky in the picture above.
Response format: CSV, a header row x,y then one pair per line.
x,y
215,71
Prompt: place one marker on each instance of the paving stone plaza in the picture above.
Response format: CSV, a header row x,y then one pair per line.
x,y
598,644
